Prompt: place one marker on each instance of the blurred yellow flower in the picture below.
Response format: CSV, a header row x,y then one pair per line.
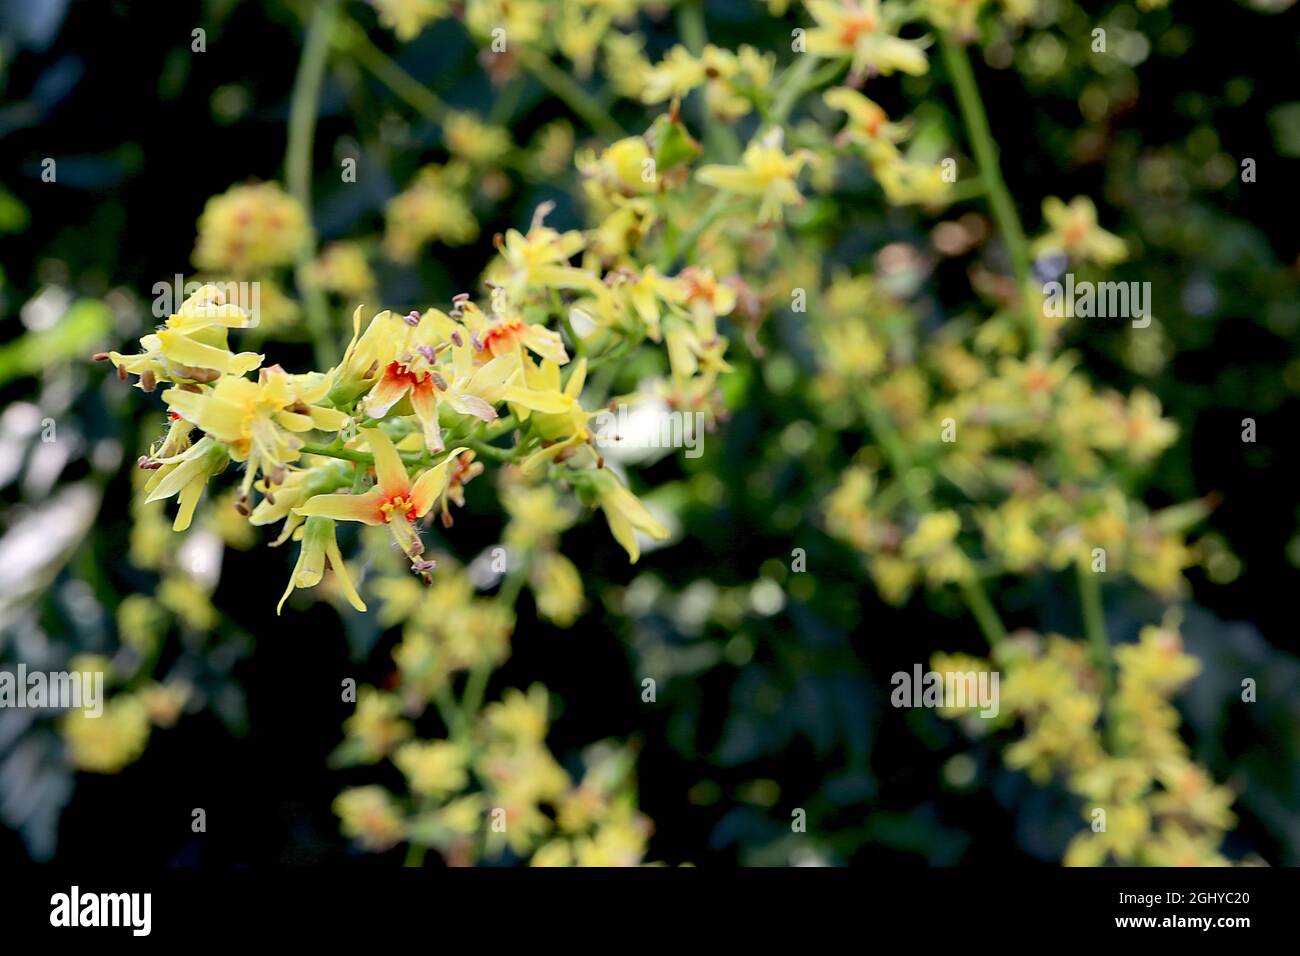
x,y
249,229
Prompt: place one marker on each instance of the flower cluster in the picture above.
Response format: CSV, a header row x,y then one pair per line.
x,y
1120,754
387,417
492,788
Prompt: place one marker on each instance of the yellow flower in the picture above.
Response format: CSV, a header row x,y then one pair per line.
x,y
164,702
395,500
507,333
647,291
958,16
189,600
475,141
1190,793
376,729
1018,11
414,379
407,18
734,80
868,125
624,168
538,262
582,27
522,825
258,422
1158,561
249,229
765,171
1073,230
318,546
432,209
934,532
341,267
191,345
553,148
907,181
1128,826
536,515
298,484
932,545
370,816
625,514
555,415
866,33
141,622
554,853
618,843
523,21
518,718
1147,435
675,75
186,475
432,769
1010,534
463,815
107,743
557,587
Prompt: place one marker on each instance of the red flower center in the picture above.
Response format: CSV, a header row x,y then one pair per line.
x,y
501,336
401,373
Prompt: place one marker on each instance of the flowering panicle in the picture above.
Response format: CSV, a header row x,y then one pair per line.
x,y
366,441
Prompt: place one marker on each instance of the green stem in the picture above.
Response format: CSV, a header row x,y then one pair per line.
x,y
722,203
415,855
986,615
476,684
503,107
413,459
721,144
690,22
404,86
794,83
475,688
977,598
337,451
986,156
566,88
502,426
1094,627
579,347
484,450
303,108
447,710
827,74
